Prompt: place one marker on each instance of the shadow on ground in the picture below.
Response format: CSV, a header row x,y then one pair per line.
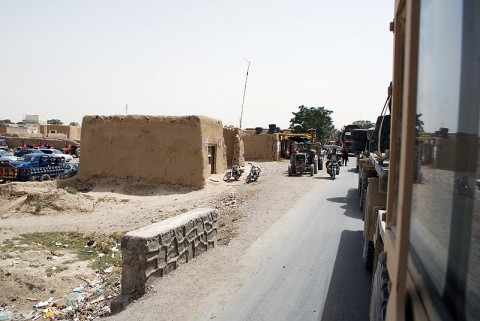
x,y
351,201
348,296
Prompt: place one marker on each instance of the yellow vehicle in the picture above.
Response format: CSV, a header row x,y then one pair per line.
x,y
427,241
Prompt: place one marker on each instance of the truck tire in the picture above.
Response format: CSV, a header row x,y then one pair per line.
x,y
384,135
363,191
380,290
44,177
368,254
359,188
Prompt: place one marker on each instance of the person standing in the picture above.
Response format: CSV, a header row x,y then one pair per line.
x,y
344,156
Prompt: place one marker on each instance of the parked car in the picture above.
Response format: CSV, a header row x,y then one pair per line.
x,y
7,155
71,169
56,153
19,152
3,144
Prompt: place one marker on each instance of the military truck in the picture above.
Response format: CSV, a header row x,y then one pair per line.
x,y
426,239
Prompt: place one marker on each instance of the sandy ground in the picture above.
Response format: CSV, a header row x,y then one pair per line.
x,y
106,207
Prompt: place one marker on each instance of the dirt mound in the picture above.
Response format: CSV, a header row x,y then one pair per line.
x,y
42,199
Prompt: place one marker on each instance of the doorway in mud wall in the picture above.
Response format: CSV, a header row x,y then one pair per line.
x,y
212,157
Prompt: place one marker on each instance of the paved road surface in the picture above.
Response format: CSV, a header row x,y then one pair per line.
x,y
305,266
311,258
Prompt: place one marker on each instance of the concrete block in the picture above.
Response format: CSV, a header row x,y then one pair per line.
x,y
159,248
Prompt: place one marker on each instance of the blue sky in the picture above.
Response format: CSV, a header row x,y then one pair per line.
x,y
66,59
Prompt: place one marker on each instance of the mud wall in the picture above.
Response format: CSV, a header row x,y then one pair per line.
x,y
439,151
235,146
157,249
171,150
14,141
72,132
262,146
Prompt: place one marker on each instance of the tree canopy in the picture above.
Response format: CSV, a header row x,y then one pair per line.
x,y
364,124
5,121
54,122
73,123
312,118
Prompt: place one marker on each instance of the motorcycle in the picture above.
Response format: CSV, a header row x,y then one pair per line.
x,y
235,172
254,173
328,167
333,172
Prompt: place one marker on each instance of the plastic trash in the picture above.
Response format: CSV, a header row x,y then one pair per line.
x,y
79,289
73,301
5,315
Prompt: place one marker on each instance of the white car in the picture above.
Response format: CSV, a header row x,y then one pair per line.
x,y
7,155
57,153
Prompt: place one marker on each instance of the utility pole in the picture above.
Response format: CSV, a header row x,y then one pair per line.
x,y
244,90
126,109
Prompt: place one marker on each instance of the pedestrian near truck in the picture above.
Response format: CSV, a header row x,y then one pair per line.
x,y
344,156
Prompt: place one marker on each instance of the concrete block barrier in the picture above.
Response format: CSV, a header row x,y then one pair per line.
x,y
159,248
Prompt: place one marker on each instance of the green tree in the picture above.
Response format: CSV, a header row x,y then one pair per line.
x,y
73,123
5,121
312,118
420,124
364,124
54,122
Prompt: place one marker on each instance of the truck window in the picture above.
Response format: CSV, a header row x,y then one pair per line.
x,y
445,222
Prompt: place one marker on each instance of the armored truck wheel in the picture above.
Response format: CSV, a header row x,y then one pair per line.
x,y
44,177
368,254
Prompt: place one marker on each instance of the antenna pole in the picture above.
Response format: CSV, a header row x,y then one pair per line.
x,y
244,90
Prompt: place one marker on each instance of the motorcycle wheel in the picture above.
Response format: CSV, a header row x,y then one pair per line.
x,y
333,174
236,177
249,178
227,176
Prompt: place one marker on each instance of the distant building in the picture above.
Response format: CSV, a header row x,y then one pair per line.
x,y
35,119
